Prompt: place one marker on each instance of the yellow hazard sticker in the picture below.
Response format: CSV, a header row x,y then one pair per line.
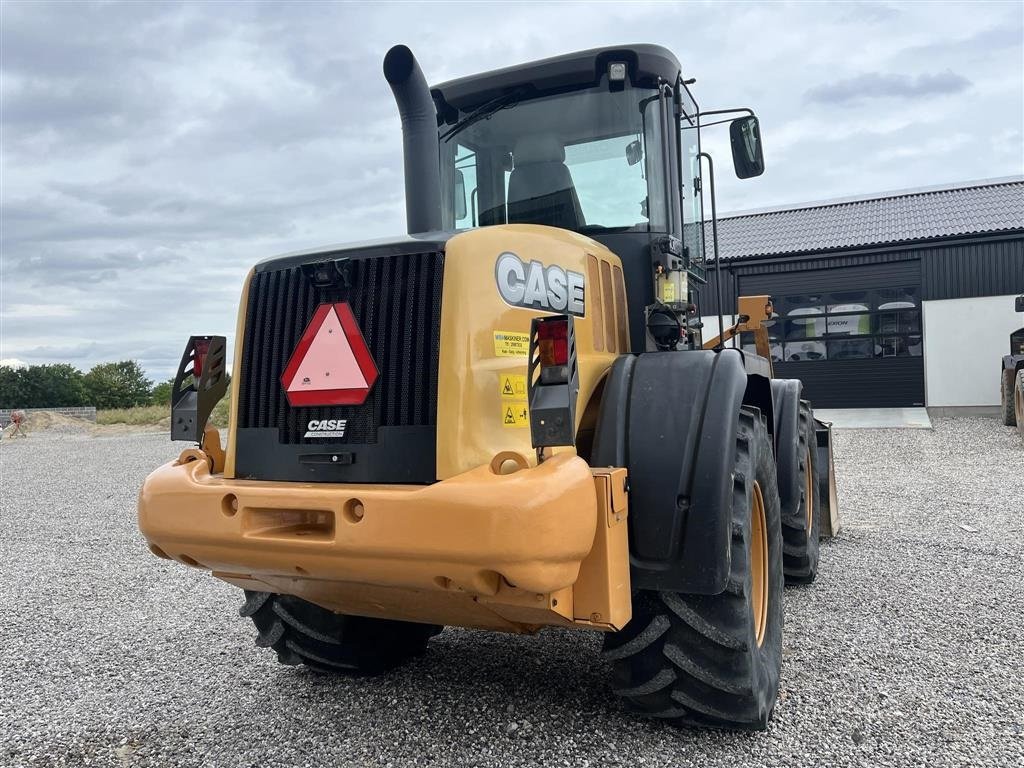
x,y
514,413
668,290
512,385
510,344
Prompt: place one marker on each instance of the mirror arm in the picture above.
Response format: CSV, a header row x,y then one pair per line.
x,y
716,122
733,111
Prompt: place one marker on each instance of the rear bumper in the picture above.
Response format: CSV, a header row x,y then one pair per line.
x,y
473,534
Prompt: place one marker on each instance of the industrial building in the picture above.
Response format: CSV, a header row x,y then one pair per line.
x,y
900,299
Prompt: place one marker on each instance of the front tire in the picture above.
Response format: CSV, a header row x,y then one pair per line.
x,y
801,519
714,660
1008,397
303,633
1018,403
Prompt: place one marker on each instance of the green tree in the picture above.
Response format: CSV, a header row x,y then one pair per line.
x,y
161,394
42,386
11,388
118,385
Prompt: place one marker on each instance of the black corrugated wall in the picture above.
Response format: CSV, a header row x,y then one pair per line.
x,y
982,268
991,265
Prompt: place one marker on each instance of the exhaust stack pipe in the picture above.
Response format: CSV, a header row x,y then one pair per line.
x,y
419,140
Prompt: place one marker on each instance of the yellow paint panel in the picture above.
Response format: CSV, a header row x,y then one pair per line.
x,y
243,309
511,344
484,339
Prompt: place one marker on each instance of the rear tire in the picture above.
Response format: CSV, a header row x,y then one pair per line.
x,y
1007,398
801,516
714,660
303,633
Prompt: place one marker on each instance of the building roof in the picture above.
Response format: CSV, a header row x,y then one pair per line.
x,y
991,205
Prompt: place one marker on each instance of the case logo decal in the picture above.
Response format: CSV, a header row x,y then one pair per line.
x,y
326,428
534,286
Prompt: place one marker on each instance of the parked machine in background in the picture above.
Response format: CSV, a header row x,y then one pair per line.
x,y
509,419
1011,378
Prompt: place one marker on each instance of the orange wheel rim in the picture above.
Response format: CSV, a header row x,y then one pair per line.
x,y
809,492
758,564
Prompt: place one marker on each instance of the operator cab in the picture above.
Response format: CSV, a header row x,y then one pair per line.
x,y
605,143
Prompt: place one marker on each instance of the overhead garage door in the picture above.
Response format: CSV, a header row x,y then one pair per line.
x,y
851,334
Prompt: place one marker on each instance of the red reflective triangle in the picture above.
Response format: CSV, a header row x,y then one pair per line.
x,y
332,364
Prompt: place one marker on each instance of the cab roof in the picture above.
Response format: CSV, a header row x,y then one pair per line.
x,y
582,69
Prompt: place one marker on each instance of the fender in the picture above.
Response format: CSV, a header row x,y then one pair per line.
x,y
1013,362
670,418
786,406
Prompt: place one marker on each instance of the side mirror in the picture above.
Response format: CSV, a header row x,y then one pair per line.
x,y
747,155
634,152
460,195
1018,304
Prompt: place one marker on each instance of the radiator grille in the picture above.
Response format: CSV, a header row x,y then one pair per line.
x,y
396,301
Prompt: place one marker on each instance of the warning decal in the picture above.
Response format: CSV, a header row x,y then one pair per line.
x,y
510,344
514,413
512,385
331,364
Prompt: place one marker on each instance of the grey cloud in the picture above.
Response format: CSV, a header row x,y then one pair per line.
x,y
981,44
70,266
875,85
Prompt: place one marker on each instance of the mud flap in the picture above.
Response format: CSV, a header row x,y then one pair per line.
x,y
829,499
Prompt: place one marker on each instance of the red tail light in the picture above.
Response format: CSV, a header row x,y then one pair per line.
x,y
553,342
202,346
552,382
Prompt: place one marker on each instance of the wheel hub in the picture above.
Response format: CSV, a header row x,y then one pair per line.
x,y
758,564
809,492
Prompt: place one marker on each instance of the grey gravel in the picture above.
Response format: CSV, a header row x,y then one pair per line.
x,y
907,650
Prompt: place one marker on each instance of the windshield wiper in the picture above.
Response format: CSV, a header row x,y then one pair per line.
x,y
485,110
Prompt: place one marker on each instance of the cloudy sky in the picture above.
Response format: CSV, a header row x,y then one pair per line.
x,y
152,152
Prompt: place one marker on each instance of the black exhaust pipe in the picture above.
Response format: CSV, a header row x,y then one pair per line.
x,y
419,140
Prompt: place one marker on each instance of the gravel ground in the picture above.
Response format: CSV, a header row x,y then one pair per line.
x,y
907,650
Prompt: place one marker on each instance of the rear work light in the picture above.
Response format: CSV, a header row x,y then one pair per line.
x,y
200,347
552,382
553,349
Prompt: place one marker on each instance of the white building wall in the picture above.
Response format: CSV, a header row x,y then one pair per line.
x,y
710,329
964,342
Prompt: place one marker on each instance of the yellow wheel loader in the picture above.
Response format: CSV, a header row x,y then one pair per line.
x,y
1011,378
510,419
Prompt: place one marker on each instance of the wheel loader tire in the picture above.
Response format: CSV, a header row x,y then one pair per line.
x,y
714,660
1007,397
801,515
303,633
1018,403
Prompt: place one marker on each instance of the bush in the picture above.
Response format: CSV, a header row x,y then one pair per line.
x,y
152,415
142,416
